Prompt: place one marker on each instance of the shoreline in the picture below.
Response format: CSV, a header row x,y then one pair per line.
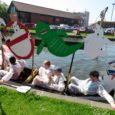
x,y
88,100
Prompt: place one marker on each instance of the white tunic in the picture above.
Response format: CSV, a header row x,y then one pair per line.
x,y
88,87
58,83
44,75
14,72
59,79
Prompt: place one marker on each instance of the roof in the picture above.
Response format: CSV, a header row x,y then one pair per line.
x,y
42,10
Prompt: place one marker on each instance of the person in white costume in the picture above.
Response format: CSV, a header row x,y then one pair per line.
x,y
44,72
15,69
90,86
57,82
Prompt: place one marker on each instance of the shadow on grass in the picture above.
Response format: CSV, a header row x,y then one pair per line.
x,y
2,110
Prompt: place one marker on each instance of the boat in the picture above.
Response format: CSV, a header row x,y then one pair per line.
x,y
94,100
26,78
90,100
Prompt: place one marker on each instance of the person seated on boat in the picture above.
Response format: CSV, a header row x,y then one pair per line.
x,y
15,69
5,54
57,81
44,72
90,86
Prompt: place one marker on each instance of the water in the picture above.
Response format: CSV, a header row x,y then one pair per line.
x,y
82,64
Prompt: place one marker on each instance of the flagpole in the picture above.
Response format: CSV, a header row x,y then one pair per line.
x,y
71,63
33,62
69,73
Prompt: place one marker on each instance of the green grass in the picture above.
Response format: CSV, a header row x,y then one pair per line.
x,y
14,103
32,31
110,36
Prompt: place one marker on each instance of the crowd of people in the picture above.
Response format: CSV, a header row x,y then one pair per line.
x,y
51,77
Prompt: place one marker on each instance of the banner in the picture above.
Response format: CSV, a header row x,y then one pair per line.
x,y
20,42
55,45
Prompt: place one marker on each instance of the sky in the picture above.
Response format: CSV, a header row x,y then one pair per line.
x,y
93,6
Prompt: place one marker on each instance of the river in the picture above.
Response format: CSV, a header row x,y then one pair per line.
x,y
82,64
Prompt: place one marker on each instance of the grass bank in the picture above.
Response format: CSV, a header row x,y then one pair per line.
x,y
14,103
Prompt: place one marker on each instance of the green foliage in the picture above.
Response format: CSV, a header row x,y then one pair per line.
x,y
3,10
14,103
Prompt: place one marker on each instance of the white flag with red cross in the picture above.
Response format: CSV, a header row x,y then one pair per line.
x,y
20,42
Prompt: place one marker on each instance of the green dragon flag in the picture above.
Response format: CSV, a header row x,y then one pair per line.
x,y
54,43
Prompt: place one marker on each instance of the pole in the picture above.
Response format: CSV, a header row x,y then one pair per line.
x,y
112,11
30,78
33,63
69,74
71,63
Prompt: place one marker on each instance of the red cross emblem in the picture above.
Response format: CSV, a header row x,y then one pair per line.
x,y
113,76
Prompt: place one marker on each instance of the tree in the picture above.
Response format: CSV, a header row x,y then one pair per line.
x,y
3,10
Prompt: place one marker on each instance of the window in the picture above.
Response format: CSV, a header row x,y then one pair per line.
x,y
13,9
24,17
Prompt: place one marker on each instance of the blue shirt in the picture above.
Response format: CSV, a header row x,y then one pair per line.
x,y
92,87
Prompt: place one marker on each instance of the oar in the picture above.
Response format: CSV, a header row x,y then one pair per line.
x,y
69,74
21,89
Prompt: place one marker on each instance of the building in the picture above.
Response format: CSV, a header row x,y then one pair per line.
x,y
27,13
108,24
85,17
105,24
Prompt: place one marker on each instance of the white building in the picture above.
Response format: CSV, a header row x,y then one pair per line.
x,y
85,17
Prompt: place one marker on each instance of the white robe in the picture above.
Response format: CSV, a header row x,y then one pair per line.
x,y
13,73
82,86
58,83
